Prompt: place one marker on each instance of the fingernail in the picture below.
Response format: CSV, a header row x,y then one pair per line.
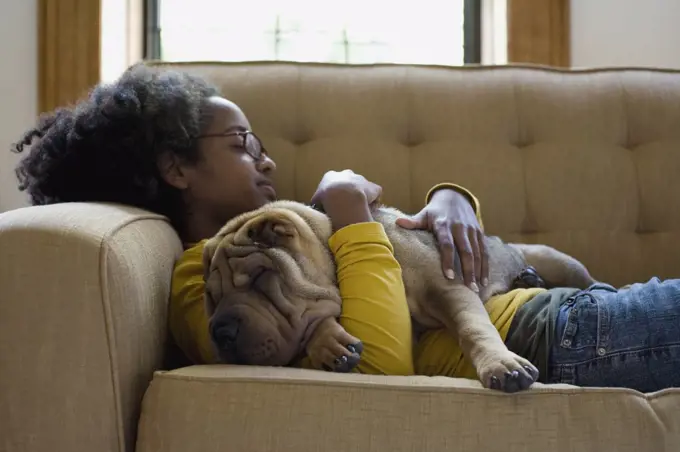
x,y
351,349
485,282
449,274
474,286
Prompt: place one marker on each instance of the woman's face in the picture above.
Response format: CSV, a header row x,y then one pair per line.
x,y
233,173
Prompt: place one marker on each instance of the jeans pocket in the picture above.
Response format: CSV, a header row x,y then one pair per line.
x,y
578,322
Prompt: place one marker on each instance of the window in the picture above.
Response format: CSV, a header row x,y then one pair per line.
x,y
445,32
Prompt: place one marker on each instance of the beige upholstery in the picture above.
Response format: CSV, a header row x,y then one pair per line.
x,y
585,161
83,303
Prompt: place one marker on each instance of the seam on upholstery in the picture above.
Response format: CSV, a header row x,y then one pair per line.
x,y
537,392
409,120
626,112
467,67
528,220
108,319
629,147
515,95
299,133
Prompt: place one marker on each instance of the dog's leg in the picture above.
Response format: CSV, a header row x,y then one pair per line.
x,y
332,348
555,267
496,366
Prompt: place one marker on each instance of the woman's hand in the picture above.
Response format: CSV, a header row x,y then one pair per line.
x,y
452,220
345,197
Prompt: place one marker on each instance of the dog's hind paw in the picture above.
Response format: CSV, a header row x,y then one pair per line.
x,y
510,374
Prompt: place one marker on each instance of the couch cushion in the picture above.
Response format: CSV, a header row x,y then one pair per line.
x,y
83,314
586,160
218,408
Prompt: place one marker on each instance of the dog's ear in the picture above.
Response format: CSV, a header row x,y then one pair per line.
x,y
209,250
271,231
212,291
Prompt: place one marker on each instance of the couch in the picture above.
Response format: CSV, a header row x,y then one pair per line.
x,y
584,160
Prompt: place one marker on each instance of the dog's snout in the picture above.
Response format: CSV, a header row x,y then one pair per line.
x,y
225,332
243,335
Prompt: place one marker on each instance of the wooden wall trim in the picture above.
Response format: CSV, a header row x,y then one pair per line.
x,y
68,50
539,32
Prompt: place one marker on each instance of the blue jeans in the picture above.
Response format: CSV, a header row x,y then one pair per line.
x,y
619,338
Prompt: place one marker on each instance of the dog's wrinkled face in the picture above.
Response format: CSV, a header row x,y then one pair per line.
x,y
270,279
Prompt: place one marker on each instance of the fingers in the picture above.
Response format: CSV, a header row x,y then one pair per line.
x,y
373,192
476,254
346,178
418,221
467,258
316,197
484,253
447,249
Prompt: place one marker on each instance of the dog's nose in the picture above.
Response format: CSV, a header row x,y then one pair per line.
x,y
225,332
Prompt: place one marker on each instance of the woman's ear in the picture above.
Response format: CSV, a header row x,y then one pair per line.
x,y
172,171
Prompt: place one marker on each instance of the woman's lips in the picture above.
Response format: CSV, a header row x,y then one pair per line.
x,y
268,189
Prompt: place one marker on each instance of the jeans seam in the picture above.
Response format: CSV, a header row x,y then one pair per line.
x,y
619,353
566,374
603,325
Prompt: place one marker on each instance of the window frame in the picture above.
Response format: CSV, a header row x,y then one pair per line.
x,y
472,31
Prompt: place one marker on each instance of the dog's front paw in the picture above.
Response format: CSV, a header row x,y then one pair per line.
x,y
332,349
508,373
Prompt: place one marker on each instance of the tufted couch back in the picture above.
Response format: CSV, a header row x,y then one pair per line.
x,y
587,161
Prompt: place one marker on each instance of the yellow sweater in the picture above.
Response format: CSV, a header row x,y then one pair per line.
x,y
374,306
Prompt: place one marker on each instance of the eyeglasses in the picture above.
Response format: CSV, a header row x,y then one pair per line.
x,y
251,143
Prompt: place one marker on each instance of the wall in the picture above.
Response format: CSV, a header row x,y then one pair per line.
x,y
18,92
494,32
625,33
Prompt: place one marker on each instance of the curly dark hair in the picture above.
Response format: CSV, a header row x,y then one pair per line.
x,y
106,147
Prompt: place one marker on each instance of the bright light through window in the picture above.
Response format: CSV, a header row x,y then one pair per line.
x,y
351,31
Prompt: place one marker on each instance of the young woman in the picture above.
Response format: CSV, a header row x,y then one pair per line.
x,y
168,142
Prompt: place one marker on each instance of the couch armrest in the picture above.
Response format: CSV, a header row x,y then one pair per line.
x,y
83,311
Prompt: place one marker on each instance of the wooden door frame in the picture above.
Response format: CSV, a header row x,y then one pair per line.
x,y
539,32
69,35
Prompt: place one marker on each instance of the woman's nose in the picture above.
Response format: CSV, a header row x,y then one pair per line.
x,y
266,165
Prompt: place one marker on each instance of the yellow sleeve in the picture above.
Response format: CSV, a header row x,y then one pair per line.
x,y
463,191
188,320
374,305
